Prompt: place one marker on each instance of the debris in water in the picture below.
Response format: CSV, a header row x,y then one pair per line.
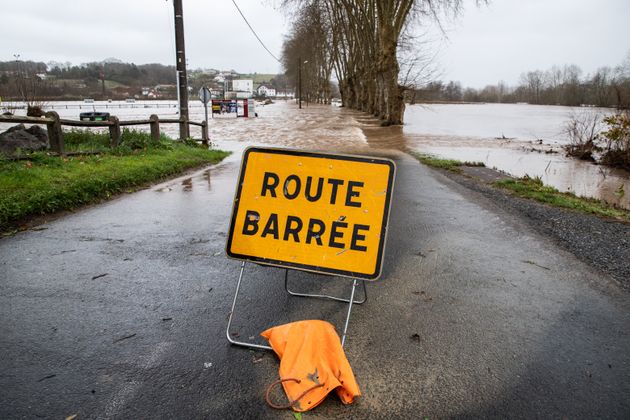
x,y
167,319
99,276
47,377
124,338
207,365
415,337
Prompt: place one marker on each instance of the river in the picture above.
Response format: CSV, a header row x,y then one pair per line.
x,y
517,139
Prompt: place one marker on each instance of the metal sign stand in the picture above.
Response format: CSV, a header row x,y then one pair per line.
x,y
350,302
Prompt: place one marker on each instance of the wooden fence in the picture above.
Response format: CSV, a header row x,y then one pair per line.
x,y
55,132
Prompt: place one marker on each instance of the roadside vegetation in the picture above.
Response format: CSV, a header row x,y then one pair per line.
x,y
447,164
600,139
534,189
40,183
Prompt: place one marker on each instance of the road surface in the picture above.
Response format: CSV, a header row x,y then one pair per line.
x,y
119,311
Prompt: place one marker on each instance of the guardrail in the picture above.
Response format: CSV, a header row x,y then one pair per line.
x,y
55,133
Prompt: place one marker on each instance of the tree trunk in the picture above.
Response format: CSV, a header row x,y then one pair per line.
x,y
394,105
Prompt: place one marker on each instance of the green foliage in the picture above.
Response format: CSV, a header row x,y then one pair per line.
x,y
135,139
617,137
190,142
77,140
533,188
45,184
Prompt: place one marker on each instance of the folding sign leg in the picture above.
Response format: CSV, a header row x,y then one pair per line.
x,y
229,335
264,347
350,302
338,299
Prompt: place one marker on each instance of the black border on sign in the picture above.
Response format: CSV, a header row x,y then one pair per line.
x,y
306,267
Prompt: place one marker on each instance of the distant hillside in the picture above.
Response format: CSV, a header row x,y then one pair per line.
x,y
259,78
108,79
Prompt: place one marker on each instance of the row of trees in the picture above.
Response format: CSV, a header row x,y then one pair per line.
x,y
606,87
360,41
128,74
32,82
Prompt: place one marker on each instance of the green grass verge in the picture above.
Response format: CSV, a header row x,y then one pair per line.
x,y
534,189
448,164
46,184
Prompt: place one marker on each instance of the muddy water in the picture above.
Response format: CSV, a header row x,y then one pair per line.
x,y
506,137
517,139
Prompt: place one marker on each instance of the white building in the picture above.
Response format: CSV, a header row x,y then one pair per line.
x,y
266,91
243,85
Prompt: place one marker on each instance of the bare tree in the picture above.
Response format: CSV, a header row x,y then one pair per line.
x,y
361,40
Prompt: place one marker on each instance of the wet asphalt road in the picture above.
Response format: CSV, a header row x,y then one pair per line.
x,y
119,311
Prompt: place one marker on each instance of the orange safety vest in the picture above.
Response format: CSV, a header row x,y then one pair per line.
x,y
312,364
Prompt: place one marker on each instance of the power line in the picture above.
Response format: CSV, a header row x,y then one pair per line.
x,y
254,32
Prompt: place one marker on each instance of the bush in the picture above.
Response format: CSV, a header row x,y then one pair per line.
x,y
617,138
583,130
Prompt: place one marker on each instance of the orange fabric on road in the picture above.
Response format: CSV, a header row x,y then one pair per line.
x,y
311,352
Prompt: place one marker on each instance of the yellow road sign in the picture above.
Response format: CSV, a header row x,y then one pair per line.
x,y
312,211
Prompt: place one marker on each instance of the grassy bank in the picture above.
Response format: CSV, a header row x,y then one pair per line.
x,y
45,184
534,189
447,164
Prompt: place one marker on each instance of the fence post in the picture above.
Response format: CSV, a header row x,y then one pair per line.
x,y
155,127
204,133
114,132
55,134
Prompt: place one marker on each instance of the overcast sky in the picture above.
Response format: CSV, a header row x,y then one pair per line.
x,y
484,45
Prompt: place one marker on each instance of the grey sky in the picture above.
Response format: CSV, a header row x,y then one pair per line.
x,y
485,45
141,31
507,37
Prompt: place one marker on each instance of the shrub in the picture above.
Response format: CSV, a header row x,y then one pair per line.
x,y
583,130
617,138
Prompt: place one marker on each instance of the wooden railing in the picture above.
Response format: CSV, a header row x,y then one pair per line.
x,y
55,133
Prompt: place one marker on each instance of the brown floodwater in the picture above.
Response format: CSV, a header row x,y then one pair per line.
x,y
517,139
329,128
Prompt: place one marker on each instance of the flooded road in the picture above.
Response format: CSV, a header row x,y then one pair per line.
x,y
119,310
517,139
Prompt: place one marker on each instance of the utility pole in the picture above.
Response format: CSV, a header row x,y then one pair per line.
x,y
182,81
300,82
